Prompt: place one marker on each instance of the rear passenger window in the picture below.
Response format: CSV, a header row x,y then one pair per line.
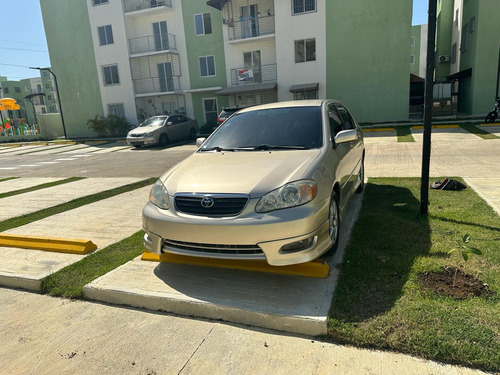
x,y
334,120
347,122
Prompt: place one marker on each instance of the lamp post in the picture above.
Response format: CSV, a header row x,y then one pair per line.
x,y
58,96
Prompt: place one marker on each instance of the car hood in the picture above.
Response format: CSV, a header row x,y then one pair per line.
x,y
144,129
254,173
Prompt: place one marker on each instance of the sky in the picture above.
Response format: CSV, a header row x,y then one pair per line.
x,y
24,43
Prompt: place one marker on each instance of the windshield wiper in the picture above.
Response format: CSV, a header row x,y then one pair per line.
x,y
217,148
265,147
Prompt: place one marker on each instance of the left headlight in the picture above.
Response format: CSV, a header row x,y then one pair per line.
x,y
290,195
159,195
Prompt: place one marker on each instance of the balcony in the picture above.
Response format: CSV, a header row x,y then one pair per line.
x,y
253,75
254,27
153,43
156,85
138,5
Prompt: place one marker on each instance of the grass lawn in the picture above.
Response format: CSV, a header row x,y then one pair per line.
x,y
404,134
379,303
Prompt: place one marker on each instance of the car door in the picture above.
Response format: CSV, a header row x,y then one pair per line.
x,y
184,127
173,130
354,149
340,164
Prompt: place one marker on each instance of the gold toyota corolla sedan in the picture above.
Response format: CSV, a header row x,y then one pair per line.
x,y
270,183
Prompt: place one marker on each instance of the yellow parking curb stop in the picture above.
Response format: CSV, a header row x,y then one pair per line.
x,y
316,268
60,245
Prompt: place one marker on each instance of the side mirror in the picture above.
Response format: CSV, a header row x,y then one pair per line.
x,y
346,136
199,141
170,123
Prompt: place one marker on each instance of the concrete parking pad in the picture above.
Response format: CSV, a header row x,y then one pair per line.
x,y
488,189
37,200
104,222
24,183
41,334
283,302
380,136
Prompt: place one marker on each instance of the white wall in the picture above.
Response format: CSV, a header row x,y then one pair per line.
x,y
291,28
117,53
423,49
456,35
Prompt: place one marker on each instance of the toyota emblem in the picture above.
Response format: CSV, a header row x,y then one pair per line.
x,y
207,202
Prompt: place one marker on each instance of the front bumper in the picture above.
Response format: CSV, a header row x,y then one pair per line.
x,y
269,232
141,141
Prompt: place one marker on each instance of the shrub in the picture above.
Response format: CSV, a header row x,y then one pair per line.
x,y
110,126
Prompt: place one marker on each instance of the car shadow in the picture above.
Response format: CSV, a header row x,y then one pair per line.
x,y
387,238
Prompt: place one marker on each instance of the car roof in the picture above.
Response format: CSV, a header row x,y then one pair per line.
x,y
287,104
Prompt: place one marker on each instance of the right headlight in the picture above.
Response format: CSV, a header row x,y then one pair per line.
x,y
290,195
159,195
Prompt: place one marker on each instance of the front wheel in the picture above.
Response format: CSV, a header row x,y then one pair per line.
x,y
163,140
333,223
490,117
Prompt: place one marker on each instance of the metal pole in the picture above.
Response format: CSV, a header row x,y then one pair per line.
x,y
59,101
498,73
429,88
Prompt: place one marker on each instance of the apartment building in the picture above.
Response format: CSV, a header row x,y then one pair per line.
x,y
467,49
137,58
418,50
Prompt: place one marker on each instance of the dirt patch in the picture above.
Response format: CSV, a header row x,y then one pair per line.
x,y
452,282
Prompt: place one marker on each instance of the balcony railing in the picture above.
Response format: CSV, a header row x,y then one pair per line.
x,y
135,5
251,28
156,85
153,43
254,74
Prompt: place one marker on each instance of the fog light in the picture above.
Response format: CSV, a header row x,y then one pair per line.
x,y
298,245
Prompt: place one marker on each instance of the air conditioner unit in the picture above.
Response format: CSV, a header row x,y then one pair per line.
x,y
444,58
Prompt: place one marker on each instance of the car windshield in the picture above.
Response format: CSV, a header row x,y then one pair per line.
x,y
269,129
153,121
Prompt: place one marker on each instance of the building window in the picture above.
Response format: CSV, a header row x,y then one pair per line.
x,y
413,41
203,24
472,24
456,18
47,85
412,59
207,66
5,90
117,110
210,111
39,88
303,6
305,95
463,44
44,110
49,97
305,50
110,74
99,2
454,53
17,89
105,35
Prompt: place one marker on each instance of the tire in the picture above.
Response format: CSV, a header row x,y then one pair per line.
x,y
362,177
163,141
490,117
334,224
192,134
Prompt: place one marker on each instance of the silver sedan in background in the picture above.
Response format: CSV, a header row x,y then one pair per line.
x,y
271,183
161,130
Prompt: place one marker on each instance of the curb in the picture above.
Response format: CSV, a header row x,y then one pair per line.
x,y
60,245
316,268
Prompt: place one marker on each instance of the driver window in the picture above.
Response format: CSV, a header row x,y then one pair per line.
x,y
334,120
173,120
346,118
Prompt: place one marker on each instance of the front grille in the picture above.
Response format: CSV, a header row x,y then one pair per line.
x,y
136,135
214,248
222,205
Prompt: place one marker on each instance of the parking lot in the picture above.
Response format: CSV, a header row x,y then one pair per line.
x,y
287,303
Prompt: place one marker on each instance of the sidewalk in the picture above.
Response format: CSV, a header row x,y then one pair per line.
x,y
44,335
